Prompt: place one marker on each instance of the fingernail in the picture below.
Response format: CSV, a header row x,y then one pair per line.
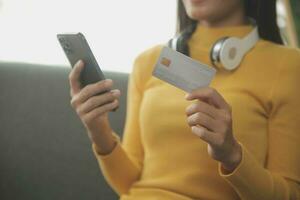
x,y
108,81
187,96
79,63
116,93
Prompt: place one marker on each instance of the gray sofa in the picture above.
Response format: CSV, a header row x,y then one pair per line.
x,y
45,153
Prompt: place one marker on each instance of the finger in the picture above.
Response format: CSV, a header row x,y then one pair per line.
x,y
74,77
206,135
95,89
99,100
116,108
201,106
209,95
100,111
204,120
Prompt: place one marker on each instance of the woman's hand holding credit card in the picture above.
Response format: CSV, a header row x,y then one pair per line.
x,y
210,117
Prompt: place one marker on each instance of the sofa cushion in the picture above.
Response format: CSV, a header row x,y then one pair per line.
x,y
44,150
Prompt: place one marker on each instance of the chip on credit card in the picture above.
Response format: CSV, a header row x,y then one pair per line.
x,y
182,71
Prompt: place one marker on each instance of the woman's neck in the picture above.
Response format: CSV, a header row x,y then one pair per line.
x,y
236,18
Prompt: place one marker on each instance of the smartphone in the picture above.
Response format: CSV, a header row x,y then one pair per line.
x,y
77,48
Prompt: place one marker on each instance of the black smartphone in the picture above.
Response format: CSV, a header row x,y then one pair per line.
x,y
77,48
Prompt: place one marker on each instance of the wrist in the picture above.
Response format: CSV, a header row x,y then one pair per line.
x,y
101,135
234,158
102,152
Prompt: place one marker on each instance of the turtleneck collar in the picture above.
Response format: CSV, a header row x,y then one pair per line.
x,y
204,37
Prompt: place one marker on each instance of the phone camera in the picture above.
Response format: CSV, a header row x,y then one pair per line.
x,y
66,47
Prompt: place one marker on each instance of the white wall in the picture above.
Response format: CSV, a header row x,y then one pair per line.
x,y
116,30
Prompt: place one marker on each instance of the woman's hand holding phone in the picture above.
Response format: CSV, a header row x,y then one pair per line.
x,y
92,103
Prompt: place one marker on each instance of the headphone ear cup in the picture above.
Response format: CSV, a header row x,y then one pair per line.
x,y
215,53
174,43
231,53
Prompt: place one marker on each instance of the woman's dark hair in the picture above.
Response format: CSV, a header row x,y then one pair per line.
x,y
263,11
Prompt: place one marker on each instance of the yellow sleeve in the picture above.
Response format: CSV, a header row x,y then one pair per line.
x,y
279,179
123,166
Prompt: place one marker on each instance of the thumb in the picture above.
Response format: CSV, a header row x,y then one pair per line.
x,y
74,77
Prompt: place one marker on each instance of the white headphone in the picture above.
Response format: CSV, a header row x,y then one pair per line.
x,y
228,52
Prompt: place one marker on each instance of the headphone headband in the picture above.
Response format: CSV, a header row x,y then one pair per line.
x,y
227,52
250,40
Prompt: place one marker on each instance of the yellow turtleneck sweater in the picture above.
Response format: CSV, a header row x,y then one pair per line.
x,y
160,158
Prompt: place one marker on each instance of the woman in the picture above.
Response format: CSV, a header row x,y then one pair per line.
x,y
237,139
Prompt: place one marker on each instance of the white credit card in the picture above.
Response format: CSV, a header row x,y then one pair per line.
x,y
182,71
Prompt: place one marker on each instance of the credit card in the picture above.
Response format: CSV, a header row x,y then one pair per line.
x,y
182,71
